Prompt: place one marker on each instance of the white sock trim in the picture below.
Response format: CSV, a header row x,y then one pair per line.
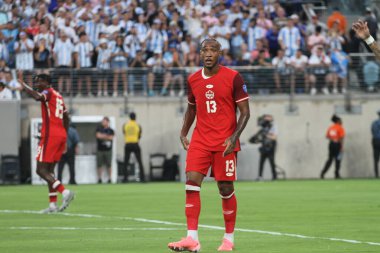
x,y
51,194
193,234
228,196
229,236
189,187
56,183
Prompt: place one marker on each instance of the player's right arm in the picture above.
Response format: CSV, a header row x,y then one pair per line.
x,y
362,32
189,117
187,122
35,94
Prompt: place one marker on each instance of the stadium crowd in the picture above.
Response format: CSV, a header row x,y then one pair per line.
x,y
124,42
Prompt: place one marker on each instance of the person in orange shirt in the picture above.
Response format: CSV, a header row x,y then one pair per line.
x,y
335,133
338,17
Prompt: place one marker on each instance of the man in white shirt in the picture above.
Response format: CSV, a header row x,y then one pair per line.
x,y
12,84
255,33
282,71
319,64
62,54
299,63
222,33
5,93
24,54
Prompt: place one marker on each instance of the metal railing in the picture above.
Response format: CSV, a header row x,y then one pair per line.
x,y
362,74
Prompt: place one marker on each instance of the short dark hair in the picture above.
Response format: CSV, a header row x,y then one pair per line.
x,y
318,29
132,115
210,40
106,118
2,84
44,77
82,34
335,119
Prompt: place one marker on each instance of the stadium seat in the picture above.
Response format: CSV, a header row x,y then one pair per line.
x,y
156,162
10,169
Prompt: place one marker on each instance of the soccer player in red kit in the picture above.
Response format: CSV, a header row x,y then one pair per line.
x,y
214,94
55,121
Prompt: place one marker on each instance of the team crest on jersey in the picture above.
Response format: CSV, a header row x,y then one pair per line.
x,y
209,86
209,94
245,88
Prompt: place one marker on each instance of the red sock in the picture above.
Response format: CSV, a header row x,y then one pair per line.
x,y
193,205
53,197
57,185
229,206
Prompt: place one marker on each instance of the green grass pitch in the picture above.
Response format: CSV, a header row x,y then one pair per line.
x,y
306,216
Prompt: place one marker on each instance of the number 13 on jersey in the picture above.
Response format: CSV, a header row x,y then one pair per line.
x,y
211,106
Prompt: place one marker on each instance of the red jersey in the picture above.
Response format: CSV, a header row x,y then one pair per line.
x,y
215,98
52,108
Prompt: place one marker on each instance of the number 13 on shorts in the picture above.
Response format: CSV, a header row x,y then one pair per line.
x,y
230,168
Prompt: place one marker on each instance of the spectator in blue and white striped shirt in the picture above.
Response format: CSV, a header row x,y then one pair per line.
x,y
93,28
83,52
133,42
255,33
289,38
103,66
156,40
63,57
141,28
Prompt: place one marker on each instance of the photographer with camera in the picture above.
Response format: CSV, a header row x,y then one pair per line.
x,y
267,136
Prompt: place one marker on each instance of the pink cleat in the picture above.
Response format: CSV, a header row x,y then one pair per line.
x,y
186,244
226,245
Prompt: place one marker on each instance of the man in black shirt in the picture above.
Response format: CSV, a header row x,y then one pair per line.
x,y
104,136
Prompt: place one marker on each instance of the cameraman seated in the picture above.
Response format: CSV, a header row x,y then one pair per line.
x,y
267,136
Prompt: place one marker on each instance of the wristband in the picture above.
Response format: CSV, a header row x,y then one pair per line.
x,y
369,40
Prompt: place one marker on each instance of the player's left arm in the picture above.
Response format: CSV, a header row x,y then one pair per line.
x,y
230,142
362,31
35,94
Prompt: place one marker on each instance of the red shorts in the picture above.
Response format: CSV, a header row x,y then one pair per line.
x,y
222,168
51,149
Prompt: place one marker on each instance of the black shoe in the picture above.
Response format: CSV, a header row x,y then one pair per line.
x,y
124,180
72,182
99,181
109,181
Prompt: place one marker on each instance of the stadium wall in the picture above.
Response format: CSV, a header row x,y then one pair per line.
x,y
302,146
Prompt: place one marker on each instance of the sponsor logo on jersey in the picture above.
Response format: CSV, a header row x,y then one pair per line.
x,y
229,174
209,94
189,205
245,88
209,86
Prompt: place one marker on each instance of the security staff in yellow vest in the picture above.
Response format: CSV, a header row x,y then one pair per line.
x,y
132,135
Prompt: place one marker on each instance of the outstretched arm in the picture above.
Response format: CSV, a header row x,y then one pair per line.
x,y
362,31
230,142
187,122
35,94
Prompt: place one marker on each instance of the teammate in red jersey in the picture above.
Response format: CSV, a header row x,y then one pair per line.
x,y
52,145
214,93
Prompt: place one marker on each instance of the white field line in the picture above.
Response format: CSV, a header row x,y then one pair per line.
x,y
78,228
203,226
